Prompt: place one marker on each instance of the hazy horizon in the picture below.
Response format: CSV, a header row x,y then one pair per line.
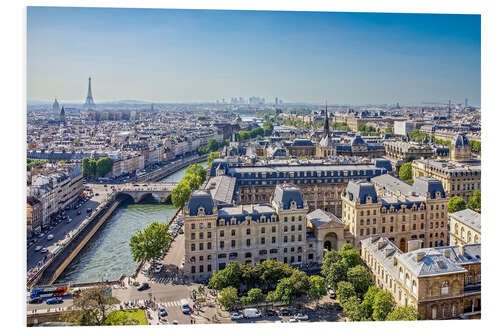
x,y
200,56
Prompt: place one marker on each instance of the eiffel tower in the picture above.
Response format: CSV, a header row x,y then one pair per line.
x,y
89,102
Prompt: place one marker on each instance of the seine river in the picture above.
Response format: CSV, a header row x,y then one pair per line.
x,y
107,255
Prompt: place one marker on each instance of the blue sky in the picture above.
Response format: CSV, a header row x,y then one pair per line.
x,y
197,55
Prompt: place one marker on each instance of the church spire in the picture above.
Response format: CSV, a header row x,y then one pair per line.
x,y
326,127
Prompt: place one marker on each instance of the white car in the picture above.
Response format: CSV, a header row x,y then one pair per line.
x,y
50,237
294,320
41,235
157,269
301,316
236,316
38,248
44,250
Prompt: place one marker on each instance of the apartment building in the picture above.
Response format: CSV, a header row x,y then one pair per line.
x,y
465,227
441,282
394,209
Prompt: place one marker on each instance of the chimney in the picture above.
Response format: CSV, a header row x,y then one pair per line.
x,y
461,249
420,256
381,244
447,253
388,251
414,244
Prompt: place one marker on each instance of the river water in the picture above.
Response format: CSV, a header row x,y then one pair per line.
x,y
107,255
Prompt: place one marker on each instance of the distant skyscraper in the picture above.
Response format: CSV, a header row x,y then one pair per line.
x,y
466,102
276,101
55,106
89,102
449,109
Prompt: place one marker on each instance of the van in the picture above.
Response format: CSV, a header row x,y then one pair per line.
x,y
252,313
185,306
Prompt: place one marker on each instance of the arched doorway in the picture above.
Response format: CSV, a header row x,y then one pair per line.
x,y
402,244
331,242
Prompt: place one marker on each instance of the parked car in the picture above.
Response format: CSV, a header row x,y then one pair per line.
x,y
252,313
41,235
44,250
271,313
294,320
301,316
332,294
36,300
237,316
162,312
50,237
285,312
54,300
143,286
38,248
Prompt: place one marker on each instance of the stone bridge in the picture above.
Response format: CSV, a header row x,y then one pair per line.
x,y
140,191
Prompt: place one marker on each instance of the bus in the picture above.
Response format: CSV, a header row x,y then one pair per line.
x,y
49,292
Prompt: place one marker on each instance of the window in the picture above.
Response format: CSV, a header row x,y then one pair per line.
x,y
383,229
233,243
444,288
222,233
300,238
193,236
209,225
248,242
300,227
262,240
293,218
248,231
193,269
248,255
201,235
285,239
273,229
293,238
292,228
209,268
221,244
209,235
262,230
193,226
201,225
285,219
193,247
300,217
201,246
209,246
233,232
285,229
201,268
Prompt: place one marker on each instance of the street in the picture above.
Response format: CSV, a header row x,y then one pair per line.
x,y
61,230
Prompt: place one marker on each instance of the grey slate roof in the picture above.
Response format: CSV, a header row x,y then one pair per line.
x,y
460,140
319,217
433,263
199,199
285,194
361,190
469,218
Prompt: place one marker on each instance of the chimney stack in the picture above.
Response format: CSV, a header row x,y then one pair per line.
x,y
461,249
420,256
414,244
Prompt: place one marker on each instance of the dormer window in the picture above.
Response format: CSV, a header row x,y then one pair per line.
x,y
444,288
201,211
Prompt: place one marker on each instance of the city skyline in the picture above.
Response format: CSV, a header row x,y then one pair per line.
x,y
190,56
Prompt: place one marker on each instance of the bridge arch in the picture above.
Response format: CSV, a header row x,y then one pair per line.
x,y
123,196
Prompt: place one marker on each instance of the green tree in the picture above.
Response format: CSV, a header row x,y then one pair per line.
x,y
475,201
328,259
405,313
317,288
254,296
271,272
475,146
268,128
335,273
228,298
202,150
345,290
456,204
213,155
92,168
103,166
249,276
150,243
91,308
405,172
352,309
360,278
119,318
350,256
290,288
230,276
192,180
213,145
368,300
388,130
383,304
180,194
86,167
197,169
